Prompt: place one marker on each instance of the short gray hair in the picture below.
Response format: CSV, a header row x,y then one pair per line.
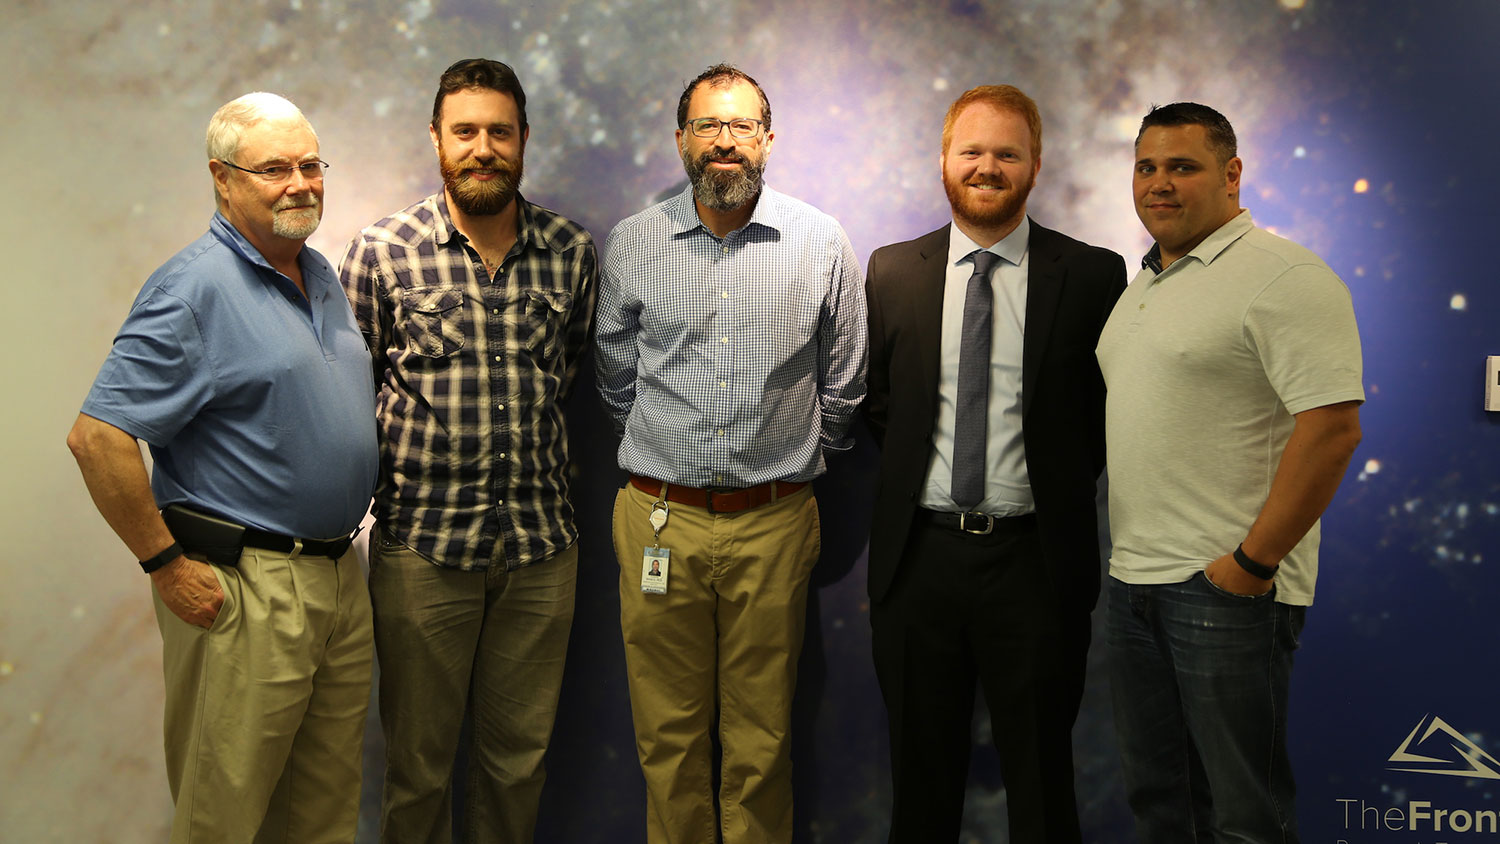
x,y
227,127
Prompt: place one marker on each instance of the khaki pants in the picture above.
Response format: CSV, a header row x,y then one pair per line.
x,y
727,634
491,639
265,711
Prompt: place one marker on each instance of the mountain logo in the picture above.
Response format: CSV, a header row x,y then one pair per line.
x,y
1443,750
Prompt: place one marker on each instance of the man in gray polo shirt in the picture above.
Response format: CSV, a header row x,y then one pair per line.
x,y
1233,369
241,366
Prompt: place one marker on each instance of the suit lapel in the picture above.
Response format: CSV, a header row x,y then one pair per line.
x,y
927,309
1044,283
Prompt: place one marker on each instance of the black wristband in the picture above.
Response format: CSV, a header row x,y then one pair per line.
x,y
168,554
1251,566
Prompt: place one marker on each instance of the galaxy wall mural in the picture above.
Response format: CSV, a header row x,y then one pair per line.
x,y
1366,131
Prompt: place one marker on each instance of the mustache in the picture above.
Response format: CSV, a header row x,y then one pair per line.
x,y
468,165
732,157
296,200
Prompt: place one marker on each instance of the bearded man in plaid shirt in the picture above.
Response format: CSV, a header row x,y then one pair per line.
x,y
476,307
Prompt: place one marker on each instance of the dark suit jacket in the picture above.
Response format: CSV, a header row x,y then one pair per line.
x,y
1071,288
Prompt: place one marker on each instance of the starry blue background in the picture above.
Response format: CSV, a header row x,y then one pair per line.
x,y
1366,130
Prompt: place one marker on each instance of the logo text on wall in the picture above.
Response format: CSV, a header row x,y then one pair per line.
x,y
1453,754
1432,747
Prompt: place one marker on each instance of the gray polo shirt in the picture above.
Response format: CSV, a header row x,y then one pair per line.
x,y
1206,364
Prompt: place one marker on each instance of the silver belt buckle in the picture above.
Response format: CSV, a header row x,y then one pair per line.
x,y
989,523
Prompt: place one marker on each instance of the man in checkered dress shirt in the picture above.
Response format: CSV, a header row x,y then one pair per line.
x,y
731,353
476,306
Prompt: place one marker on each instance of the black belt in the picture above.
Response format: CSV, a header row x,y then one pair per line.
x,y
332,548
221,540
979,523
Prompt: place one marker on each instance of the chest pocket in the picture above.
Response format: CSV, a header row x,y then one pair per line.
x,y
434,320
540,317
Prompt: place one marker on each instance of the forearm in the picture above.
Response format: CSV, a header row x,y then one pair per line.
x,y
615,360
115,475
1312,465
581,321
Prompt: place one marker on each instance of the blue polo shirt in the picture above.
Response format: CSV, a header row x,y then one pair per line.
x,y
258,403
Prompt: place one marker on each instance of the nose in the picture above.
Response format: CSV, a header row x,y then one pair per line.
x,y
1159,182
483,146
298,183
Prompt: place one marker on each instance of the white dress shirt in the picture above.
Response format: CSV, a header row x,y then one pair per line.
x,y
1007,487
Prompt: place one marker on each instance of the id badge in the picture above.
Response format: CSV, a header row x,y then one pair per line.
x,y
654,566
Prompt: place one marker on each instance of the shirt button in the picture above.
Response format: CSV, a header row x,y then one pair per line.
x,y
723,339
720,432
495,311
723,383
499,407
497,358
724,294
502,455
726,250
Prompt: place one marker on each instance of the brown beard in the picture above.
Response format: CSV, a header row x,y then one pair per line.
x,y
480,199
984,216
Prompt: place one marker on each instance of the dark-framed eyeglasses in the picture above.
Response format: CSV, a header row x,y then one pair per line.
x,y
310,170
710,127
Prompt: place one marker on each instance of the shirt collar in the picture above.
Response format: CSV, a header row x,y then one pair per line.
x,y
236,241
445,232
1011,248
1211,247
768,211
312,268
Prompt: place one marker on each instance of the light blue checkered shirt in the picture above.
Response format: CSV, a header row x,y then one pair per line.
x,y
729,363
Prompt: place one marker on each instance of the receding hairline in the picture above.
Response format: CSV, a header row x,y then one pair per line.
x,y
231,120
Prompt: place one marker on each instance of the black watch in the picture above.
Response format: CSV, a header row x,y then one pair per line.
x,y
168,554
1259,570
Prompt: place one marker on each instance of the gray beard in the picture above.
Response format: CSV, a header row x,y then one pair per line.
x,y
297,225
723,191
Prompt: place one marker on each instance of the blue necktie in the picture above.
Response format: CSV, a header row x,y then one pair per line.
x,y
971,417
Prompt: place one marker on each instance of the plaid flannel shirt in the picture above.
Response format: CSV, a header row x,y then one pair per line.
x,y
470,373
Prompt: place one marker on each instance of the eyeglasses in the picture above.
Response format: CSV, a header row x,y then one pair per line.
x,y
310,170
710,127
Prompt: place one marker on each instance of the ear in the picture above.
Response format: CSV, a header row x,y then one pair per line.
x,y
525,136
220,175
432,132
1036,168
770,136
1232,172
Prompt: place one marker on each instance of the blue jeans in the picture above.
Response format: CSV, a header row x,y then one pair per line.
x,y
1199,678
